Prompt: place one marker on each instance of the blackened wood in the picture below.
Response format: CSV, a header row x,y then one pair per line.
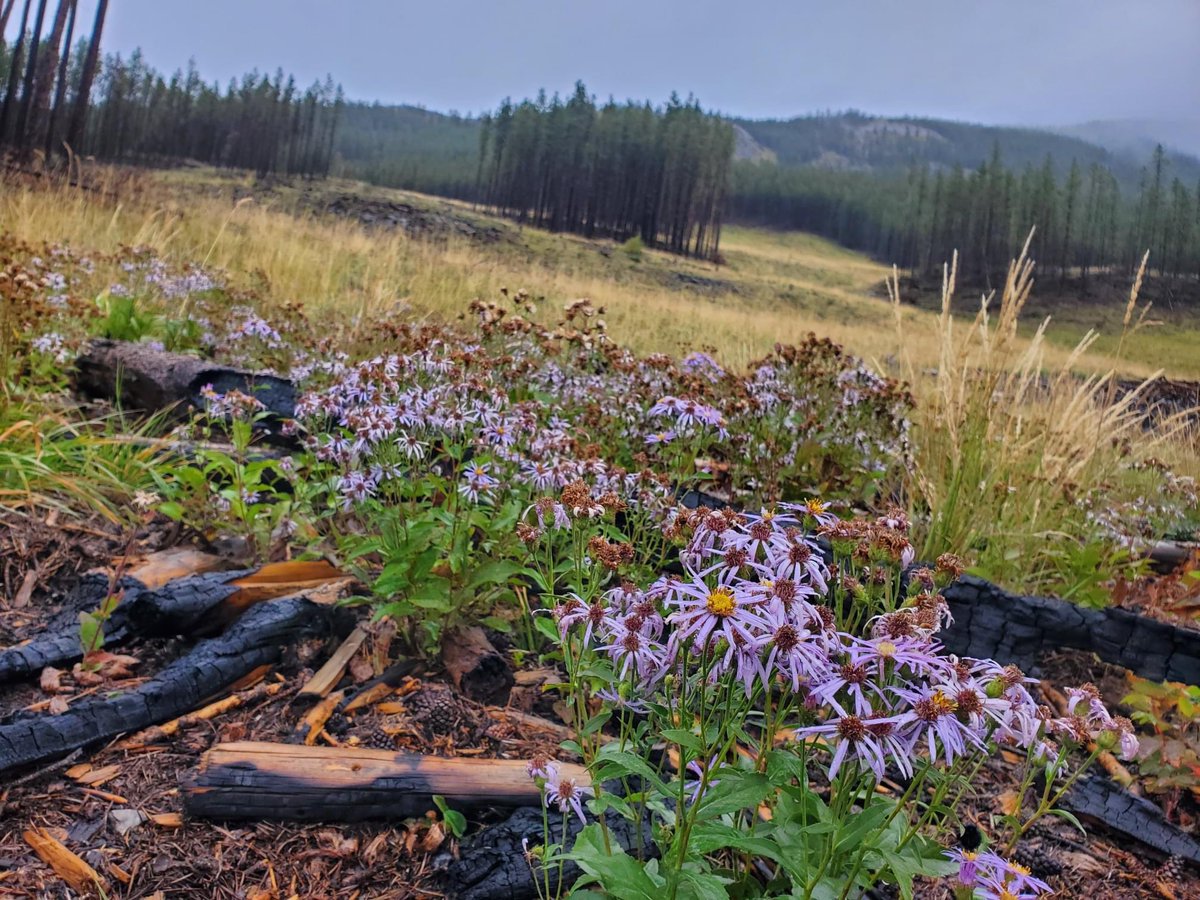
x,y
477,668
1113,807
148,380
493,866
260,780
183,606
257,639
991,623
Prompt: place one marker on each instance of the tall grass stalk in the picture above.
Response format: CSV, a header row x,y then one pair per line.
x,y
1008,452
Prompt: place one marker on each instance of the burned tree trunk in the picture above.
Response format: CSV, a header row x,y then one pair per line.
x,y
259,780
476,667
257,639
148,380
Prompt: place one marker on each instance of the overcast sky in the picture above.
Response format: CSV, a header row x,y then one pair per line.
x,y
1041,62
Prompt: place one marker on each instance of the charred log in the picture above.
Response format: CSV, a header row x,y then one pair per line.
x,y
259,780
148,380
493,866
180,607
257,639
477,668
1112,807
991,623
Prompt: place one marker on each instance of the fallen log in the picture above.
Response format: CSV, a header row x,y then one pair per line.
x,y
196,605
493,865
1116,809
990,623
477,668
147,380
259,780
257,639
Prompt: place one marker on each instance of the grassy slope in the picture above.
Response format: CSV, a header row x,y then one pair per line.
x,y
775,286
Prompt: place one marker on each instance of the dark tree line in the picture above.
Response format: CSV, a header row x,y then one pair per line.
x,y
59,96
612,170
1084,221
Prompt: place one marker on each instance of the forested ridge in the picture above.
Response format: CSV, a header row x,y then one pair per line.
x,y
901,190
60,94
613,170
907,191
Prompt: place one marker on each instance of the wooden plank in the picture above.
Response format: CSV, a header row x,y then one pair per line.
x,y
256,780
331,673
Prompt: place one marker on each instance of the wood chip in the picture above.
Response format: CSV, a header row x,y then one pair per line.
x,y
70,868
331,673
167,820
372,695
313,724
97,777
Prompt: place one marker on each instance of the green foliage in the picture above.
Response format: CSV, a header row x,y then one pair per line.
x,y
1169,756
634,248
259,495
123,318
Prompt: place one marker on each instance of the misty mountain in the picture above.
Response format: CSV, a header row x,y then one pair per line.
x,y
1136,138
412,147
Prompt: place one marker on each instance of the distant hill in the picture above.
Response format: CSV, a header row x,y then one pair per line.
x,y
859,142
416,148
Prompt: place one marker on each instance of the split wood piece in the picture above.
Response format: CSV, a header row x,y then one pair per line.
x,y
148,380
254,780
1118,810
159,569
313,723
206,671
157,733
331,673
492,865
476,667
280,580
82,878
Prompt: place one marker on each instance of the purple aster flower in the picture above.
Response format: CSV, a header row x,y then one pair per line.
x,y
565,792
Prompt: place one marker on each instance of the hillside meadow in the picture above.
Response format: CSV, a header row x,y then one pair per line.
x,y
773,286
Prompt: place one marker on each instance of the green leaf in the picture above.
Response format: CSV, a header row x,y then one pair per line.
x,y
547,627
455,821
1069,817
614,763
708,837
734,791
619,873
686,739
496,572
702,886
172,510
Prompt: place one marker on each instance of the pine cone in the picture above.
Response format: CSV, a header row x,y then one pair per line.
x,y
1171,870
1035,858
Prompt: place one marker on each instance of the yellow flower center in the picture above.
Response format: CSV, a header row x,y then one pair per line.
x,y
720,602
886,649
1019,869
942,703
815,506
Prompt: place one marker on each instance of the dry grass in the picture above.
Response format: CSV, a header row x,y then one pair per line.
x,y
1013,453
783,285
